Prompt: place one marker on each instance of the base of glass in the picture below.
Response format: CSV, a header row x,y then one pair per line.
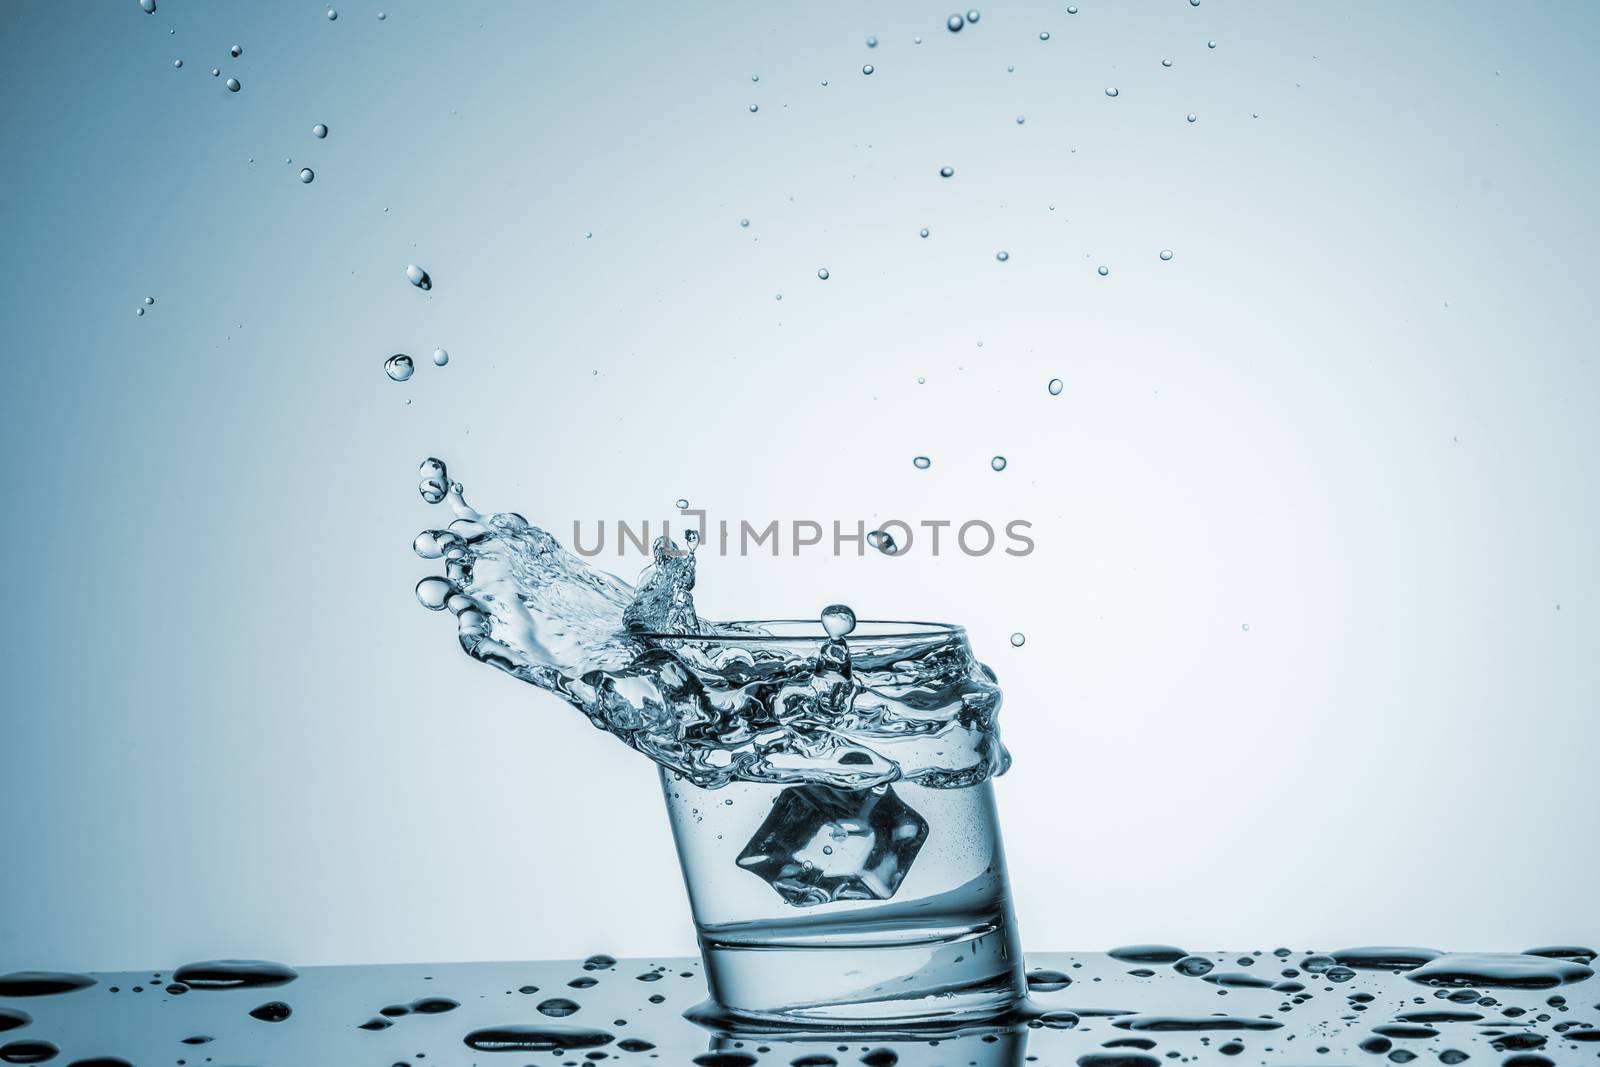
x,y
919,981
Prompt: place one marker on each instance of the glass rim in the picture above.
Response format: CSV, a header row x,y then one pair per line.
x,y
813,630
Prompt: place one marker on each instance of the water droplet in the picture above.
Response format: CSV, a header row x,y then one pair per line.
x,y
754,108
822,272
1021,119
149,300
216,72
418,277
1166,62
1002,255
916,40
867,68
332,14
557,1007
1072,9
954,23
922,463
1018,639
232,84
1111,90
755,77
1044,980
998,463
382,16
274,1011
744,224
236,51
440,357
177,63
42,983
923,232
399,367
1044,35
139,312
838,620
1054,387
872,42
1194,3
1103,271
233,974
148,6
319,131
1193,966
883,541
522,1037
1245,627
307,175
947,172
972,16
1166,254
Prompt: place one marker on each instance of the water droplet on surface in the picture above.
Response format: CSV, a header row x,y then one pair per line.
x,y
232,84
319,131
274,1011
12,1019
28,1051
522,1037
954,23
399,367
1103,271
1166,254
418,277
1499,970
822,272
440,357
307,175
838,620
1193,966
42,983
866,68
922,463
1002,255
1111,90
1044,980
234,974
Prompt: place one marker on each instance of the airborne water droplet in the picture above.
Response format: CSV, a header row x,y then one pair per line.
x,y
433,591
947,172
1002,255
1192,116
883,541
1018,639
1054,386
922,463
319,131
332,14
1166,254
867,68
998,463
1044,35
236,51
399,367
1111,90
1103,271
232,84
953,23
418,277
823,273
177,63
923,232
972,16
440,357
838,620
872,42
307,175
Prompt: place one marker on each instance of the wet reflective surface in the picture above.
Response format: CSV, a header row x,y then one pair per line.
x,y
1137,1007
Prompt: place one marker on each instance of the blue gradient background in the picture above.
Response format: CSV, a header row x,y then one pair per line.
x,y
1354,412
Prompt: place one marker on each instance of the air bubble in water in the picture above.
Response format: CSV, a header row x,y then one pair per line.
x,y
319,131
822,272
998,463
1002,255
1166,254
867,68
418,277
236,51
838,620
947,172
922,463
953,23
307,175
1111,90
1103,271
923,232
232,84
1018,639
399,366
1054,387
440,357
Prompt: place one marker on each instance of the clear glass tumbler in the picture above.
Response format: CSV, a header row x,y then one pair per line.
x,y
817,907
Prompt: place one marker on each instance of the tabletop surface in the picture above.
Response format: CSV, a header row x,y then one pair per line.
x,y
1135,1007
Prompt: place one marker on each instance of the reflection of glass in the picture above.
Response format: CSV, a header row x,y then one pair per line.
x,y
993,1046
820,906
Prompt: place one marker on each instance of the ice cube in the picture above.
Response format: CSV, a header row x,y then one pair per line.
x,y
820,844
